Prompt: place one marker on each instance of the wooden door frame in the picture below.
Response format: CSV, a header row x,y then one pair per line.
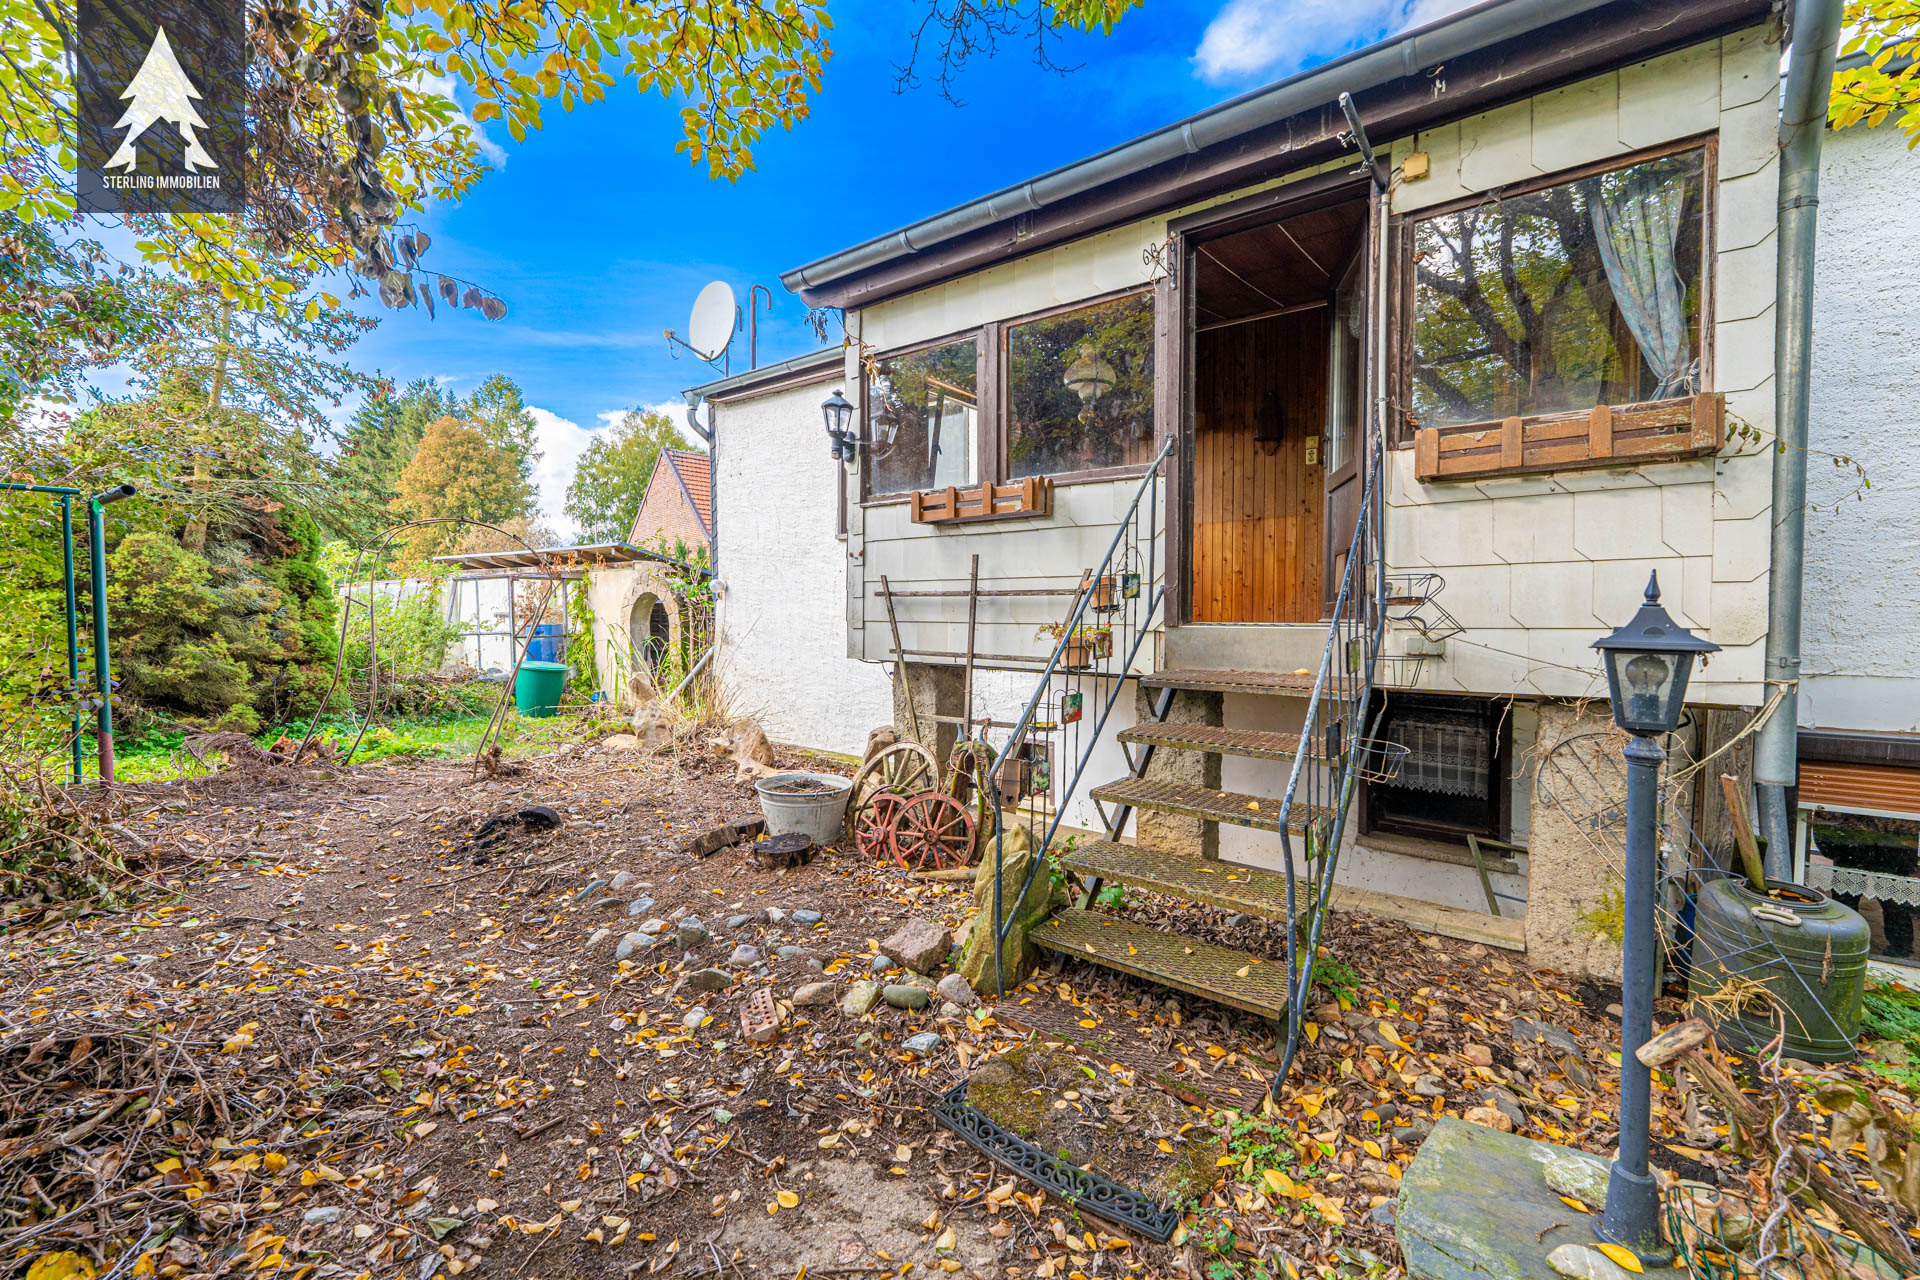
x,y
1173,397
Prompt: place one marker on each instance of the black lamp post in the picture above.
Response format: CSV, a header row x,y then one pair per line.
x,y
1648,662
839,415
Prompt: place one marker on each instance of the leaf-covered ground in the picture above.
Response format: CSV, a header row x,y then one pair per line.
x,y
340,1041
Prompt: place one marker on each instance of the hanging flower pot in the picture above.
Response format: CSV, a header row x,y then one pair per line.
x,y
1103,597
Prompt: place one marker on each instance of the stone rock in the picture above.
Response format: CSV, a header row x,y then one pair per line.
x,y
653,927
921,945
618,1024
1578,1262
1492,1117
790,952
1506,1103
776,915
690,933
1580,1176
1430,1086
1474,1206
694,1017
601,904
902,995
639,906
744,954
620,742
957,990
1384,1112
813,993
1478,1054
866,1041
653,726
706,980
597,937
1577,1072
1891,1052
593,886
324,1216
631,943
622,880
948,1009
1026,914
740,921
860,998
880,964
1526,1033
924,1043
806,917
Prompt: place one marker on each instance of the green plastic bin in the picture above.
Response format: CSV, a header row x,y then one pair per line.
x,y
537,689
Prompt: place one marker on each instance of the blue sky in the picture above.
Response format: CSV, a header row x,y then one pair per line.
x,y
598,234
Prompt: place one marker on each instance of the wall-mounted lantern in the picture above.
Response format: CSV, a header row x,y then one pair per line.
x,y
839,415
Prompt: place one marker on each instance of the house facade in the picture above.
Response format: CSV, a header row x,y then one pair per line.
x,y
678,504
1540,370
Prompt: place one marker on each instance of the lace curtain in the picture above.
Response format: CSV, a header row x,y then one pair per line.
x,y
1637,225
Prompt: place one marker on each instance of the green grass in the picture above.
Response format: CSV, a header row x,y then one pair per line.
x,y
163,757
1892,1012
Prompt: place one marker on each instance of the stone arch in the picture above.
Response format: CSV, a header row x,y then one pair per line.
x,y
652,630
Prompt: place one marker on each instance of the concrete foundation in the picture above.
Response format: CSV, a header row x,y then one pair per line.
x,y
1168,832
924,690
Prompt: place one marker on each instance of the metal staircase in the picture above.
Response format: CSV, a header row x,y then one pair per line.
x,y
1325,760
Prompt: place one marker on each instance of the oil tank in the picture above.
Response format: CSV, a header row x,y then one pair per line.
x,y
1805,948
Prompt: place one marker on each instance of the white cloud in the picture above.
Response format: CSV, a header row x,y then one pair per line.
x,y
561,441
443,86
1253,37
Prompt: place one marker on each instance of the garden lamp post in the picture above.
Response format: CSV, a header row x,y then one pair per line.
x,y
1648,662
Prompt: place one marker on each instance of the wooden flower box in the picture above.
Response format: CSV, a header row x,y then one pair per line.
x,y
1607,436
1032,496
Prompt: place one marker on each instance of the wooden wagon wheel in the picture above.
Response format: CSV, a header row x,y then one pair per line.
x,y
933,832
881,788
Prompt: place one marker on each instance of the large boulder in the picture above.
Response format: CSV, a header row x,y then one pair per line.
x,y
1026,911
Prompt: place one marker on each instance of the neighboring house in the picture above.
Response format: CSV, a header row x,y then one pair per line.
x,y
1859,793
1160,365
678,505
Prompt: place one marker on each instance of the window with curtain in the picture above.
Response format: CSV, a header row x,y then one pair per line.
x,y
1560,299
1080,389
922,409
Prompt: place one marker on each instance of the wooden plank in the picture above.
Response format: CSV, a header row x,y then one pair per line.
x,y
1600,432
1457,442
1426,453
1550,432
1709,422
1512,445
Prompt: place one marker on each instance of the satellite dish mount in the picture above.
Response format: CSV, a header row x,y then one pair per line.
x,y
710,329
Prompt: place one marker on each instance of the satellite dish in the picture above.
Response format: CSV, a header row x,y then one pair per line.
x,y
714,316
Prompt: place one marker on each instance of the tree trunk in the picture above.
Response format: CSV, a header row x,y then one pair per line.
x,y
194,536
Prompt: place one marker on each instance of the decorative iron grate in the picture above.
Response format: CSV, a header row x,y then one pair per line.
x,y
1081,1188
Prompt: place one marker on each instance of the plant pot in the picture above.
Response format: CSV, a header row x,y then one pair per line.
x,y
1103,596
1078,655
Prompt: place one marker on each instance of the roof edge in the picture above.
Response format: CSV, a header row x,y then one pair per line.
x,y
781,371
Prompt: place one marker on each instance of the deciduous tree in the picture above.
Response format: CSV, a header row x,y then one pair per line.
x,y
611,477
458,472
1888,86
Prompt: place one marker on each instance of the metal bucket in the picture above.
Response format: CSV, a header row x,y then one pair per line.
x,y
813,804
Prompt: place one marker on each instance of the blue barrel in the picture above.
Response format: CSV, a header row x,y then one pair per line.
x,y
549,643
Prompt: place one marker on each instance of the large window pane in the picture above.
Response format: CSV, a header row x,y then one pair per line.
x,y
922,408
1581,294
1080,389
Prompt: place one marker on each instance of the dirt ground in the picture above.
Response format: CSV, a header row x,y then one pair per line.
x,y
394,1055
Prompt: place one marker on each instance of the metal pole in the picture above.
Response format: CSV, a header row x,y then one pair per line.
x,y
1632,1217
73,629
1803,119
102,672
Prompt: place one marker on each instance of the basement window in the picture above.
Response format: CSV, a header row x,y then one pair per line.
x,y
1450,782
1080,389
1564,297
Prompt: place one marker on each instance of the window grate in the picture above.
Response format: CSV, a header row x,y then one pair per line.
x,y
1449,754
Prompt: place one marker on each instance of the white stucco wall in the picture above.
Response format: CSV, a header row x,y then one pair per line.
x,y
783,572
1861,634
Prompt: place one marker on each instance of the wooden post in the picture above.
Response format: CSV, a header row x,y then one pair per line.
x,y
1707,429
1426,453
1511,445
900,661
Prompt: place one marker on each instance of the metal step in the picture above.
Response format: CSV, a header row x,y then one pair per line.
x,y
1260,812
1255,743
1221,974
1260,683
1226,885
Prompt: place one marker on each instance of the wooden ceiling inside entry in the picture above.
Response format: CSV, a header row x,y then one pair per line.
x,y
1277,265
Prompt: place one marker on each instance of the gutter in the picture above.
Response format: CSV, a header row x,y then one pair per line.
x,y
1412,54
1803,125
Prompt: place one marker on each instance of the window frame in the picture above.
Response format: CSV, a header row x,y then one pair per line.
x,y
1403,425
992,436
1496,722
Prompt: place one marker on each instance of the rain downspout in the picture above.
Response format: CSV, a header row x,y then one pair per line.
x,y
1803,120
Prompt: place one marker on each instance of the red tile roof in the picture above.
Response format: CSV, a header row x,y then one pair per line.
x,y
696,473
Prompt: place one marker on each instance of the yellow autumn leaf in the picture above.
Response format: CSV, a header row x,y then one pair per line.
x,y
1621,1255
274,1162
1571,1203
1279,1182
1088,1023
1371,1147
65,1265
1166,1147
787,1199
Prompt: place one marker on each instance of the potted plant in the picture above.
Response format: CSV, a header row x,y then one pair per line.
x,y
1103,595
1085,643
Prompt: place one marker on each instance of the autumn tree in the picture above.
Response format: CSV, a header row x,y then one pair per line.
x,y
1887,86
458,472
611,477
499,409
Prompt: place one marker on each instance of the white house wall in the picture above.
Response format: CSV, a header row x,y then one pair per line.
x,y
783,638
1536,566
1861,629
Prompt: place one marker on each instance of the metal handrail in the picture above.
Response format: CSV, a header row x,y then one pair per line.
x,y
1149,488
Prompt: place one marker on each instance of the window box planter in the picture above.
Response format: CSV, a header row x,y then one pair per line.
x,y
1032,496
1607,436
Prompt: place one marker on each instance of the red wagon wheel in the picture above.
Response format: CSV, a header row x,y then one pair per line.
x,y
932,833
873,824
